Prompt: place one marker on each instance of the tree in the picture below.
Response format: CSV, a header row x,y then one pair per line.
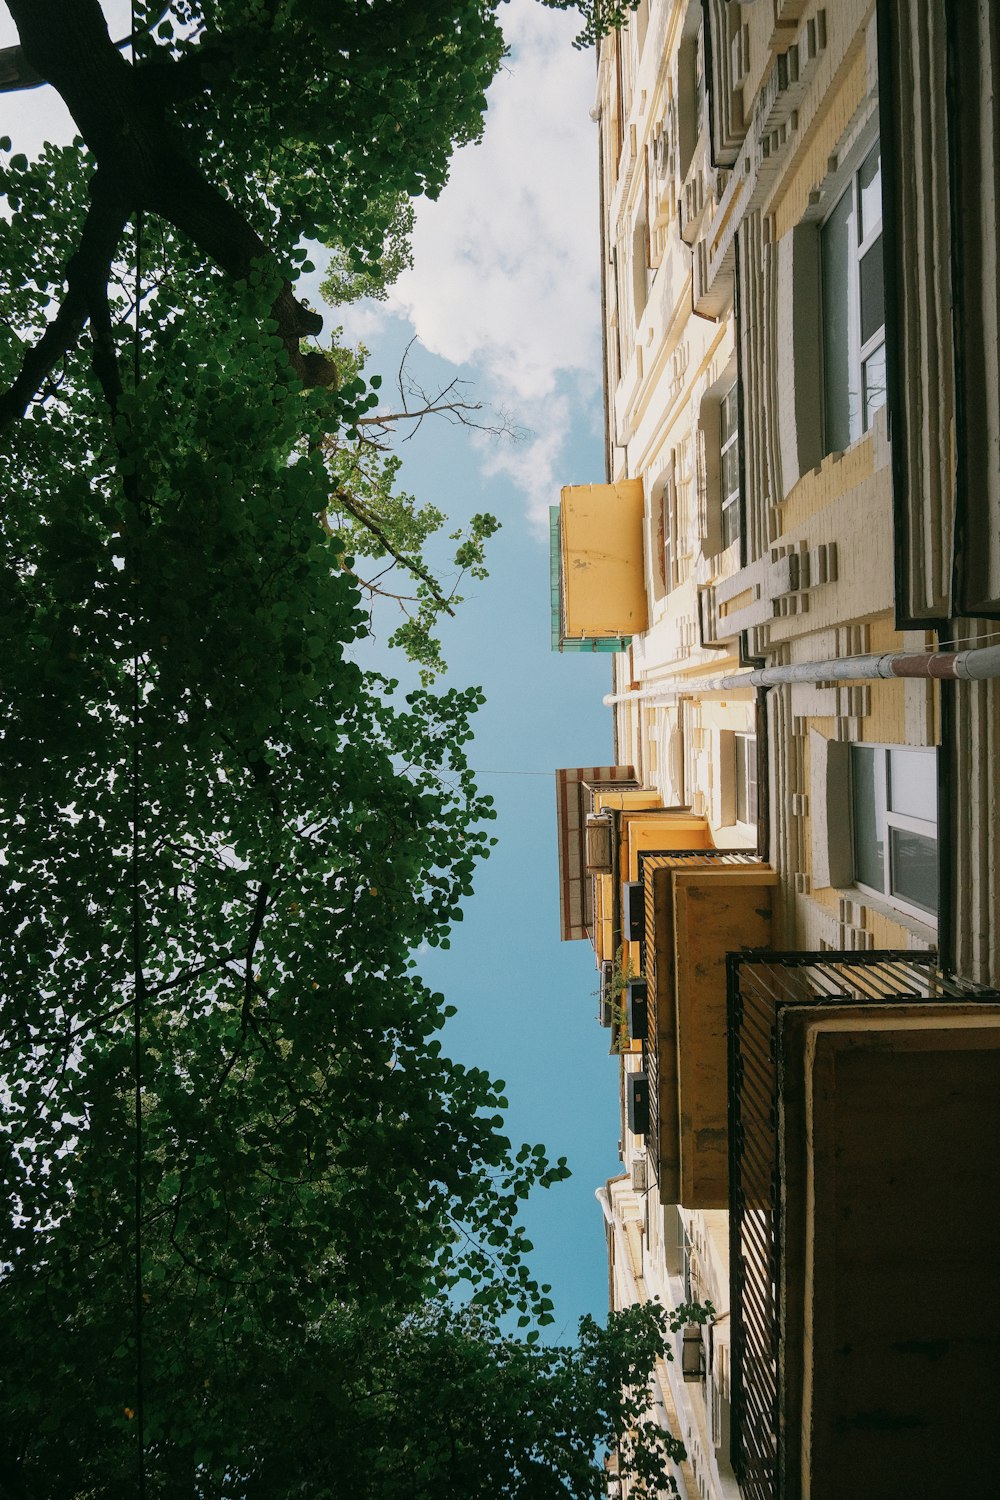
x,y
230,1136
377,521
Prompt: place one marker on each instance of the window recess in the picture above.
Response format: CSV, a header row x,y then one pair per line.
x,y
894,826
853,307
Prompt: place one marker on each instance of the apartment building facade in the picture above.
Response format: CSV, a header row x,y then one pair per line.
x,y
789,873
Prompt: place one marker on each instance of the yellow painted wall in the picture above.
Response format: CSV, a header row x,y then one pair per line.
x,y
714,914
627,798
604,588
812,163
681,832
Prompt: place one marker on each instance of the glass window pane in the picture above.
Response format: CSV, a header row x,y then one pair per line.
x,y
731,471
746,778
870,188
867,804
913,783
837,250
874,378
727,416
872,292
751,816
730,523
914,868
741,779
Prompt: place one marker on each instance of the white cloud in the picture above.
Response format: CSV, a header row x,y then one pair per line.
x,y
534,466
505,262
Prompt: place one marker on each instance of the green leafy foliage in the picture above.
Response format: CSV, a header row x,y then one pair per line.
x,y
344,283
358,106
599,17
239,1170
376,520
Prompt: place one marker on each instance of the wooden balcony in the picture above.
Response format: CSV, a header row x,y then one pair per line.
x,y
865,1228
699,906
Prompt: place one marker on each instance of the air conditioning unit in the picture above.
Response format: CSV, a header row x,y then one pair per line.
x,y
636,1009
633,911
637,1102
692,1352
599,840
640,1174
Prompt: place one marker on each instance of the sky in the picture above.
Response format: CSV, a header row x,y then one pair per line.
x,y
503,293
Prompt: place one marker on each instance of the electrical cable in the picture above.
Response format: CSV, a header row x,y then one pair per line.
x,y
138,978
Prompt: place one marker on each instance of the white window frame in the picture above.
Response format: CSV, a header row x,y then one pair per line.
x,y
859,419
888,819
749,740
731,499
667,523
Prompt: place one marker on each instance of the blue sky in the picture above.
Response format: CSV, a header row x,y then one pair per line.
x,y
526,1008
503,293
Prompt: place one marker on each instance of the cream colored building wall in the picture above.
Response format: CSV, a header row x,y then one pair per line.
x,y
835,523
819,580
641,1260
665,363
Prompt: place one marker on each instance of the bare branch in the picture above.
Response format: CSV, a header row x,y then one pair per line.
x,y
416,403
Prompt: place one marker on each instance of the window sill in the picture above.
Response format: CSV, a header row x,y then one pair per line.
x,y
924,929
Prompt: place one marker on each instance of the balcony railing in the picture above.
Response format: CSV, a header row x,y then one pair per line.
x,y
760,986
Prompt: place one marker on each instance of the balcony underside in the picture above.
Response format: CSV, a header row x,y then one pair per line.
x,y
697,912
865,1228
891,1291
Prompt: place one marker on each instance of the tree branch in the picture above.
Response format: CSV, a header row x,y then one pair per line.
x,y
124,121
371,525
257,922
446,402
90,264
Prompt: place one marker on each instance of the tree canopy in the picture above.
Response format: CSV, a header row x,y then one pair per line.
x,y
240,1172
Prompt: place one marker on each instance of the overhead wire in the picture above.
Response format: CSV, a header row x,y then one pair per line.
x,y
138,975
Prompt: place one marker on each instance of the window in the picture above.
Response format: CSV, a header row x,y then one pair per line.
x,y
746,778
729,456
666,523
690,88
640,260
854,307
894,825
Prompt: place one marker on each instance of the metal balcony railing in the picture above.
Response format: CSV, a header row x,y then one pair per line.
x,y
760,985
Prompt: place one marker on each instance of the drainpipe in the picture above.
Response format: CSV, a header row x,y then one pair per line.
x,y
968,666
669,689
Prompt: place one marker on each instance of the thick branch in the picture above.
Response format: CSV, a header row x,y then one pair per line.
x,y
90,264
102,335
125,124
257,922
